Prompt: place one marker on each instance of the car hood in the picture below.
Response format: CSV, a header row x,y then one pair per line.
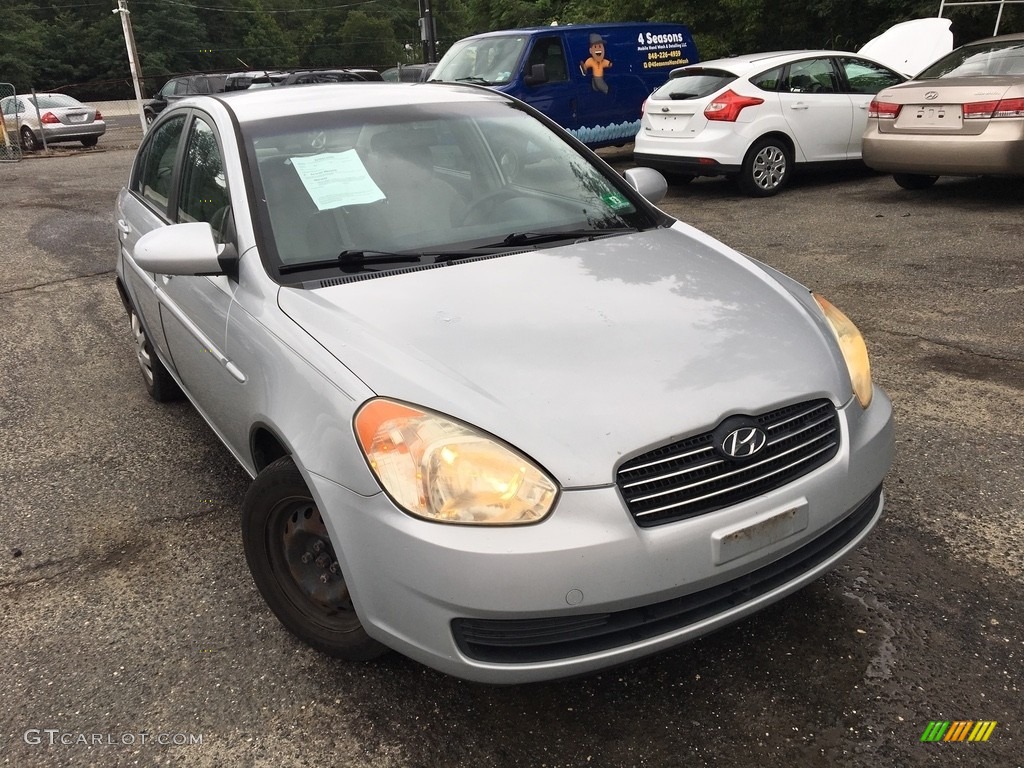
x,y
582,355
911,46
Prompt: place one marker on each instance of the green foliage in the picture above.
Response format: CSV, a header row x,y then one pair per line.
x,y
56,44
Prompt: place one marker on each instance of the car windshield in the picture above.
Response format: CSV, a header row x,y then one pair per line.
x,y
1001,57
483,60
694,83
421,183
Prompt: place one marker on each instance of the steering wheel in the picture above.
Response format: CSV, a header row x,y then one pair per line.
x,y
480,204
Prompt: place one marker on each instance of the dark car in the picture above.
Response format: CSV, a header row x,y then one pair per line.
x,y
180,87
409,73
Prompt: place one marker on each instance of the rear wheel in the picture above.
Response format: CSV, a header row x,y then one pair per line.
x,y
159,383
90,141
914,180
766,168
679,179
294,565
29,142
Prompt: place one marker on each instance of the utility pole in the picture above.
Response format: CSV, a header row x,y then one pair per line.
x,y
428,32
133,57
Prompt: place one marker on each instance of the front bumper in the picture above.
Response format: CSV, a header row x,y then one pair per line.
x,y
445,595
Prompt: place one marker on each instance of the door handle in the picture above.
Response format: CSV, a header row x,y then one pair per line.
x,y
123,226
798,105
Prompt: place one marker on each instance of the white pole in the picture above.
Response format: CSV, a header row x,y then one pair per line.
x,y
133,57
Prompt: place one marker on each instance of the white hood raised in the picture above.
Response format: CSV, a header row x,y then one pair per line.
x,y
911,46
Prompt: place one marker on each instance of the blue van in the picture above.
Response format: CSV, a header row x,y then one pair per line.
x,y
591,79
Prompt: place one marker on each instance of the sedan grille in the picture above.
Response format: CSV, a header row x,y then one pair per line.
x,y
693,476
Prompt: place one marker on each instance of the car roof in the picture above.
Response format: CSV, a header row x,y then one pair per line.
x,y
749,62
250,106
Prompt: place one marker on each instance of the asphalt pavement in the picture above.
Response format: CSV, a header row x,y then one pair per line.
x,y
132,633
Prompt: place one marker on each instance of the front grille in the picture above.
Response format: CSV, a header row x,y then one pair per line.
x,y
691,477
524,641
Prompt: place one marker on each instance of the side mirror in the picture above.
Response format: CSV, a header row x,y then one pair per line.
x,y
538,75
648,182
184,249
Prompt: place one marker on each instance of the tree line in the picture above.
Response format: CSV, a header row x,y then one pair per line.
x,y
78,45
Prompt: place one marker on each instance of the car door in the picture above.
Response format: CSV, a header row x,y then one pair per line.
x,y
862,80
819,114
194,309
143,208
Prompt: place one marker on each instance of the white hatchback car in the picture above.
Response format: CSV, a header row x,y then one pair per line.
x,y
757,116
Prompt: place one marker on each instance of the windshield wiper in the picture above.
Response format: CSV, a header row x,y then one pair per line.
x,y
477,80
536,238
353,259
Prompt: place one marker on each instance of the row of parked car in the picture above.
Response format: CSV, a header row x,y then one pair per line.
x,y
759,117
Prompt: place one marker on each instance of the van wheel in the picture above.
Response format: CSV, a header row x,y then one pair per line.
x,y
766,168
914,180
292,560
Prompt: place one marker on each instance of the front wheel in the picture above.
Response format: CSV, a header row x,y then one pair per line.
x,y
766,168
914,180
295,567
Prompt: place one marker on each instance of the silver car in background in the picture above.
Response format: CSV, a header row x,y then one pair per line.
x,y
962,116
55,117
503,415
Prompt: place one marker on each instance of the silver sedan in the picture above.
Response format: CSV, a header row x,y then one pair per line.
x,y
53,117
503,415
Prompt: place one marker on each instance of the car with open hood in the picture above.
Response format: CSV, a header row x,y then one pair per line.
x,y
759,117
503,414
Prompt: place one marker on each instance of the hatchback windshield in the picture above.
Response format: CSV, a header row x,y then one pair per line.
x,y
1004,57
422,183
484,60
694,83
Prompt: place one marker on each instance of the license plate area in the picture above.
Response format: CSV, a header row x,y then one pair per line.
x,y
762,531
931,116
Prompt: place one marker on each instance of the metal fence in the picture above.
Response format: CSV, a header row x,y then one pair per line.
x,y
10,148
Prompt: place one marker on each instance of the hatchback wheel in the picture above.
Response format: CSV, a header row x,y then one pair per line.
x,y
159,383
29,142
765,168
914,180
295,567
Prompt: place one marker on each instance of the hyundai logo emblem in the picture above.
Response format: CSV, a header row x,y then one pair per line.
x,y
744,442
931,95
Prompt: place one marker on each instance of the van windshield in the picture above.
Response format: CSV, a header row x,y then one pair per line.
x,y
482,60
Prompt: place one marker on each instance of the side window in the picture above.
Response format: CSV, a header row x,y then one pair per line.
x,y
204,192
868,77
768,81
812,76
156,167
548,51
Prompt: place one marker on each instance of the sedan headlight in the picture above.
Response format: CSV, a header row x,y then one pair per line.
x,y
854,350
446,471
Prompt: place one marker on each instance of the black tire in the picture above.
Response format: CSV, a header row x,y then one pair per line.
x,y
90,141
914,180
29,142
159,383
292,561
766,168
150,117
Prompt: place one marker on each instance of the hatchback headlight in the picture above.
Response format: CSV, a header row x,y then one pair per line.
x,y
854,350
442,470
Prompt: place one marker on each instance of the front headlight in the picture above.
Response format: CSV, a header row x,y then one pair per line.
x,y
854,350
446,471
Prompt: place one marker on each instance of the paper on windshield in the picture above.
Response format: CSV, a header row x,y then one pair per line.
x,y
334,179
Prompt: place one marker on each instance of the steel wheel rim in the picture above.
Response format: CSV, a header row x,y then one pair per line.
x,y
142,349
303,560
769,167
